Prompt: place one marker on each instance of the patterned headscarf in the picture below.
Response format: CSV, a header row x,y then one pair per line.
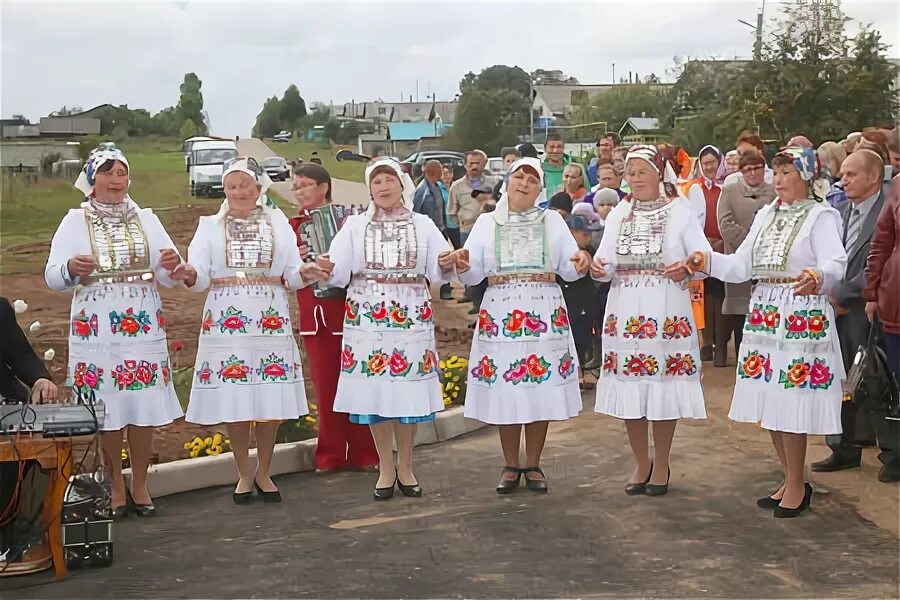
x,y
660,162
98,157
807,162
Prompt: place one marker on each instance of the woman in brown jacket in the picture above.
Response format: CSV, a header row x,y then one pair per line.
x,y
738,204
882,294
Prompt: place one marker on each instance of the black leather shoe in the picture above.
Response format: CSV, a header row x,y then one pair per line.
x,y
242,497
267,496
507,485
535,485
120,512
410,491
653,489
834,463
782,512
141,510
889,473
637,489
769,502
384,493
446,295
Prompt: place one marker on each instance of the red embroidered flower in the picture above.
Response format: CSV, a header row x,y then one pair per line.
x,y
819,374
756,317
398,363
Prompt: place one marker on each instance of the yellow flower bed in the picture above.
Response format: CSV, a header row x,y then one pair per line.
x,y
212,446
453,372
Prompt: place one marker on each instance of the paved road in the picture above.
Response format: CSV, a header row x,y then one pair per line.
x,y
586,538
344,192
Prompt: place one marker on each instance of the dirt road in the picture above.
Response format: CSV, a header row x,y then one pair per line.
x,y
344,192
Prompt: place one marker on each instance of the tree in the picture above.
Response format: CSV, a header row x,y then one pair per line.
x,y
293,108
268,121
188,129
812,79
190,103
494,108
166,122
321,115
619,103
501,77
490,119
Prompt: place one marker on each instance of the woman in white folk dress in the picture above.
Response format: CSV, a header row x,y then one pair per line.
x,y
389,375
523,359
651,356
114,254
248,368
790,369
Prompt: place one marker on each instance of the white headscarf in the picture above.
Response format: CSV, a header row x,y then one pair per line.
x,y
98,157
652,157
248,166
406,183
501,213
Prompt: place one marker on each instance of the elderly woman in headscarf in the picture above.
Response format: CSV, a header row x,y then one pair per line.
x,y
790,372
248,368
704,193
113,254
389,367
575,182
651,362
523,359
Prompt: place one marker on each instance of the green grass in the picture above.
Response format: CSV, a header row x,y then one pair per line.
x,y
31,213
349,171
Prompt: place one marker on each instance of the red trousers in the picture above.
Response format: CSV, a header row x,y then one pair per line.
x,y
341,443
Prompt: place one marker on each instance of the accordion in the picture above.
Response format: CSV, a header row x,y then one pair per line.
x,y
317,232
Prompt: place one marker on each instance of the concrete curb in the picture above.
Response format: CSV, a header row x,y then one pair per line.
x,y
209,471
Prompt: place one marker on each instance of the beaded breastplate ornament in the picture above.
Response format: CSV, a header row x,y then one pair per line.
x,y
249,241
776,237
118,242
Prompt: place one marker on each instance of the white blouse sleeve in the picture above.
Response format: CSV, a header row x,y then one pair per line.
x,y
342,253
287,242
736,268
562,247
62,248
199,253
698,203
830,256
477,243
159,240
694,240
437,244
606,250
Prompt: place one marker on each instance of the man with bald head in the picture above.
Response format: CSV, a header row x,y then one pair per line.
x,y
862,173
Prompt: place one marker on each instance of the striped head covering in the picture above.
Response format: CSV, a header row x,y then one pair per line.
x,y
808,164
99,156
661,163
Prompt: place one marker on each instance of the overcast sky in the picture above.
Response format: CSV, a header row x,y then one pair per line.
x,y
82,53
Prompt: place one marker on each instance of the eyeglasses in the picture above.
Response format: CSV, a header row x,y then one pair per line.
x,y
751,170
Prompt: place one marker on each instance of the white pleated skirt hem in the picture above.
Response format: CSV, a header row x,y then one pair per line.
x,y
651,400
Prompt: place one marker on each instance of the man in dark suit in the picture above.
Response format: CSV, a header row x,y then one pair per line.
x,y
862,173
20,369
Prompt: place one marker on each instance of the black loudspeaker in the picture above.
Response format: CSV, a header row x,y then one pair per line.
x,y
87,524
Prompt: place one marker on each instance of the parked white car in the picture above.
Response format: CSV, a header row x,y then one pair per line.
x,y
207,165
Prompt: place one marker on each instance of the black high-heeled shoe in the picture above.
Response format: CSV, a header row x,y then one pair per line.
x,y
410,491
507,485
770,503
141,510
120,512
782,512
653,489
535,485
636,489
267,496
385,493
241,498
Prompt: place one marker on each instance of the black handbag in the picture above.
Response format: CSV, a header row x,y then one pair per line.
x,y
870,383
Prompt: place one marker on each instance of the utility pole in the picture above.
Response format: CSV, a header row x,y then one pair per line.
x,y
530,108
614,72
757,47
